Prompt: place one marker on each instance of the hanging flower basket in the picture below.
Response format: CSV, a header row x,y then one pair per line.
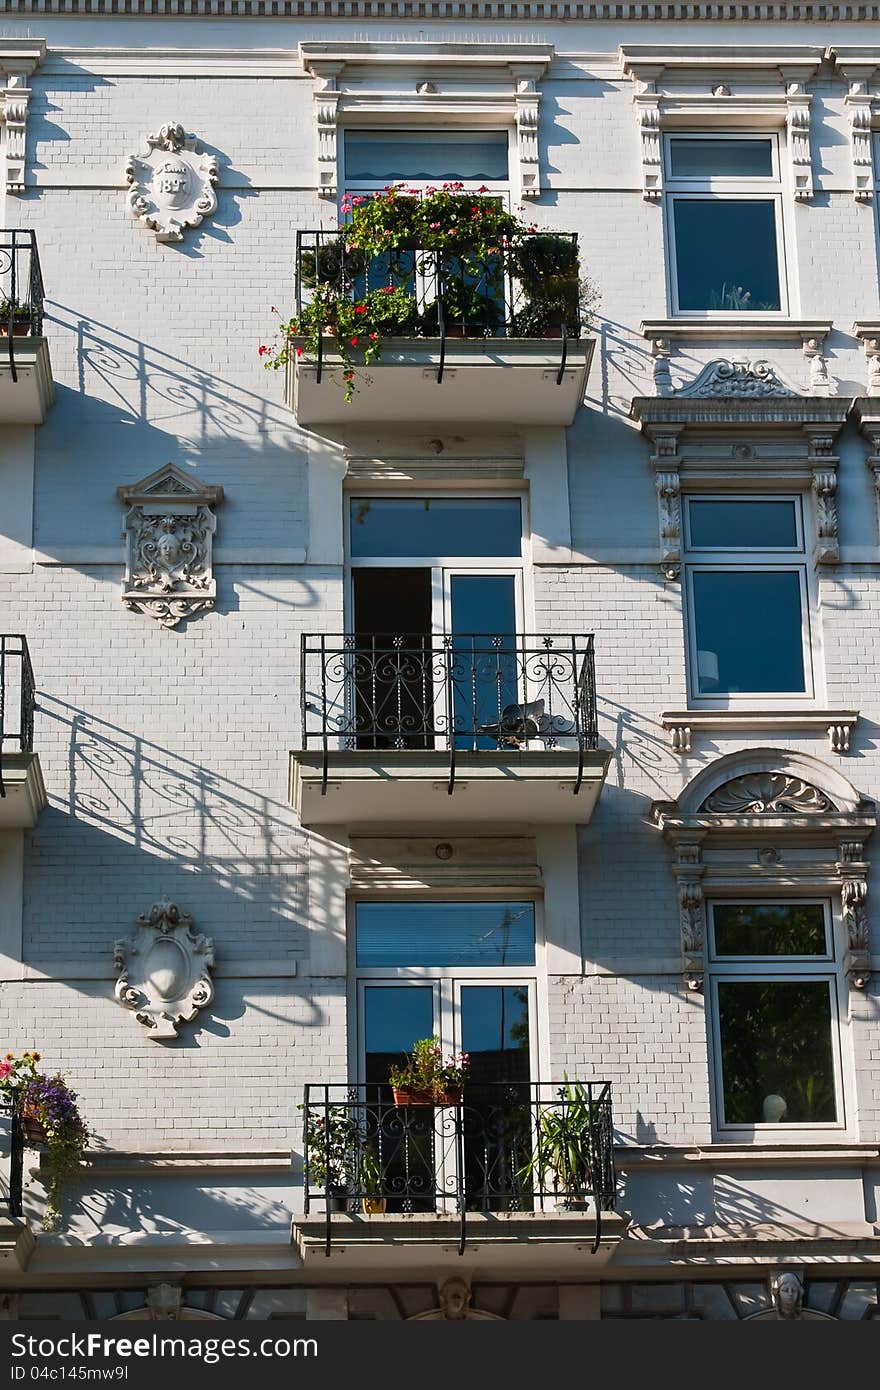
x,y
34,1131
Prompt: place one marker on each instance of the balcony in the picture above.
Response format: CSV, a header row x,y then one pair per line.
x,y
22,792
466,728
510,1169
26,387
473,342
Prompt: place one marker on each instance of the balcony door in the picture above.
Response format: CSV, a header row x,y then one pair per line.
x,y
488,1012
436,640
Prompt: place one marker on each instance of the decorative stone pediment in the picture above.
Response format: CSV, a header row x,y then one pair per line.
x,y
743,378
171,183
767,821
169,533
163,970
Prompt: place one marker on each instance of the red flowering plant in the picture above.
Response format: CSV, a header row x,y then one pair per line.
x,y
47,1104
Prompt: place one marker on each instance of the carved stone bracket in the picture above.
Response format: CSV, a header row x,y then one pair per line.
x,y
326,100
823,466
647,103
683,725
169,532
817,363
19,59
171,184
798,102
688,871
667,483
852,870
163,970
527,100
859,103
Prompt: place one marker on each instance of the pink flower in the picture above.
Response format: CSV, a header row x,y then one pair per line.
x,y
5,1069
299,352
435,226
483,188
354,342
356,202
373,337
262,349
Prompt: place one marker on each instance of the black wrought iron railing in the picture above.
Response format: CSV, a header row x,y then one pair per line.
x,y
524,291
11,1122
17,698
465,692
498,1147
21,289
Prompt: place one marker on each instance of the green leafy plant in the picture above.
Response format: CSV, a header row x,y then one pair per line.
x,y
331,263
467,305
369,1172
563,1155
331,1142
427,1071
49,1102
11,308
438,219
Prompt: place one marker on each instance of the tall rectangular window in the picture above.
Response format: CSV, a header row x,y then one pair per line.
x,y
774,1006
724,224
747,596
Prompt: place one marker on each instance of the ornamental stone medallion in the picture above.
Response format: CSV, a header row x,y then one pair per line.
x,y
171,184
169,533
163,970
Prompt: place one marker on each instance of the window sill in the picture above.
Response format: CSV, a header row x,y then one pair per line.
x,y
731,1153
682,724
737,326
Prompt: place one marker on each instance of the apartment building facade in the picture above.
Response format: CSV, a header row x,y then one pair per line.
x,y
526,699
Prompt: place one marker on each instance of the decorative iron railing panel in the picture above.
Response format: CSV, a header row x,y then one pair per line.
x,y
17,698
11,1120
503,1146
466,692
21,289
531,291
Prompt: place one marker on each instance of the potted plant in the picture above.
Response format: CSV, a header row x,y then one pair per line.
x,y
331,262
425,1078
15,1073
18,314
555,295
370,1182
564,1147
469,311
331,1139
50,1116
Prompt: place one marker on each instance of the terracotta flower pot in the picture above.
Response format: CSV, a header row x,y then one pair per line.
x,y
19,329
373,1206
404,1095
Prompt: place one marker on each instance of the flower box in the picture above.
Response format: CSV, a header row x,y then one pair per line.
x,y
405,1095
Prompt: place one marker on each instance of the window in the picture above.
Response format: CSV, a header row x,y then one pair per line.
x,y
747,595
724,224
378,157
775,1015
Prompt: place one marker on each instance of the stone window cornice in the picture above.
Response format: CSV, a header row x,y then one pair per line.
x,y
714,87
424,84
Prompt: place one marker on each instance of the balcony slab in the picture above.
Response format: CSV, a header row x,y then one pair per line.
x,y
403,787
514,380
25,791
497,1243
25,401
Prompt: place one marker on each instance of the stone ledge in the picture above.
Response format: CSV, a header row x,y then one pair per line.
x,y
836,723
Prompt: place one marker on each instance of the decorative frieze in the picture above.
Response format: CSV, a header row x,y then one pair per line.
x,y
163,970
169,533
171,184
743,378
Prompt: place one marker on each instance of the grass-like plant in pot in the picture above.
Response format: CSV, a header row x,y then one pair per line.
x,y
426,1077
369,1181
563,1157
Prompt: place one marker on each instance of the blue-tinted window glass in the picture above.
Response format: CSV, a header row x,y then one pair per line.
x,y
722,159
748,632
425,526
725,254
449,934
408,155
729,525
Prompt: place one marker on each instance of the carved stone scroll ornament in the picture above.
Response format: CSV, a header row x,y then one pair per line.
x,y
163,970
171,183
767,794
852,869
667,483
859,103
740,378
798,101
168,534
527,100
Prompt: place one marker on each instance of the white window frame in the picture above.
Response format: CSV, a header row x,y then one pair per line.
x,y
710,189
749,969
447,978
738,560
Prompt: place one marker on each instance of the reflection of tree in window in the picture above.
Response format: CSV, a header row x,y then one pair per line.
x,y
776,1045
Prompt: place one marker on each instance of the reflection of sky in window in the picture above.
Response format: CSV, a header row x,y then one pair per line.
x,y
727,525
389,527
445,934
396,1016
414,155
494,1018
725,254
720,159
748,631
